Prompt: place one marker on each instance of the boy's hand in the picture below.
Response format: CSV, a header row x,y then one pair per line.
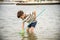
x,y
22,31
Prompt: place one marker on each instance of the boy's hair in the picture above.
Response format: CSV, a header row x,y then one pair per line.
x,y
20,13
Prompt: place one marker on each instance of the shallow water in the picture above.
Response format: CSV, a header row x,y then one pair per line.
x,y
47,28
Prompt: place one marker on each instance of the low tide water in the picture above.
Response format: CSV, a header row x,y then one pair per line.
x,y
47,28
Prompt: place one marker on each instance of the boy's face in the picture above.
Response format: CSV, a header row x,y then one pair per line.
x,y
22,17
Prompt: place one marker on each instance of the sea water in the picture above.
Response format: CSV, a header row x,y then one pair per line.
x,y
47,28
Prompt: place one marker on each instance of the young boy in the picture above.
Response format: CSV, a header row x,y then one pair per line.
x,y
30,18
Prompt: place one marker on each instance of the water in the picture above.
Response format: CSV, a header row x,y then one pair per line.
x,y
47,28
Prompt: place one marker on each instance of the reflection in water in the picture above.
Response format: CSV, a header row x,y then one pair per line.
x,y
31,36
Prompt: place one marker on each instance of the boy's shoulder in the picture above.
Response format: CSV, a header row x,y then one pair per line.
x,y
29,14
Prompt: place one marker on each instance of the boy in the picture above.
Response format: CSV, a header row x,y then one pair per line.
x,y
30,18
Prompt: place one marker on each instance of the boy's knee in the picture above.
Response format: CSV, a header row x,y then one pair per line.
x,y
27,29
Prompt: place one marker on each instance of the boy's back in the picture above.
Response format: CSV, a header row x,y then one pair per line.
x,y
29,18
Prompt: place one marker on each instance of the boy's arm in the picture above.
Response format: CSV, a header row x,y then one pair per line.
x,y
23,26
34,13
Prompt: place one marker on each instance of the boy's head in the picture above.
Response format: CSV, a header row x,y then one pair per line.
x,y
20,14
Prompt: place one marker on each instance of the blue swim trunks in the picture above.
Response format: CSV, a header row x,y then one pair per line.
x,y
33,24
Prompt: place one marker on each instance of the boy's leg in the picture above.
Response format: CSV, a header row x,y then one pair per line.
x,y
32,26
27,29
31,30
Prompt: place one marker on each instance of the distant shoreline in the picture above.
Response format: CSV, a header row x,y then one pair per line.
x,y
30,3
